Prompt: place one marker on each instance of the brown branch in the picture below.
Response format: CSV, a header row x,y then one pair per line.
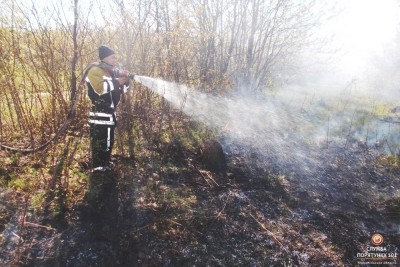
x,y
212,179
269,233
223,208
39,226
202,176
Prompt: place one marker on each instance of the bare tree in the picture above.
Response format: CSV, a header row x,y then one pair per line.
x,y
215,44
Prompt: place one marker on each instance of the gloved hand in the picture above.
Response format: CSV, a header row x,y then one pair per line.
x,y
123,80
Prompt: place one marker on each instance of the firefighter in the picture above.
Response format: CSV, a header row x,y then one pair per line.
x,y
105,87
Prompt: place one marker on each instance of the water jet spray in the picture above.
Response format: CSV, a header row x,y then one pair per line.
x,y
278,127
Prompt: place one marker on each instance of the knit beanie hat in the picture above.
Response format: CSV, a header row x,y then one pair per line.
x,y
105,51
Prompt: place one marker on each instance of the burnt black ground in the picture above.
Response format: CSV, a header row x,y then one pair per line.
x,y
257,213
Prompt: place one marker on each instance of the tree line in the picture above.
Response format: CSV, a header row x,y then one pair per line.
x,y
214,45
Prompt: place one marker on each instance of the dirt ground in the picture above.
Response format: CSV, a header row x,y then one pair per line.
x,y
255,213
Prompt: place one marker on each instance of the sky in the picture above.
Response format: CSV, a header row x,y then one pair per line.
x,y
362,30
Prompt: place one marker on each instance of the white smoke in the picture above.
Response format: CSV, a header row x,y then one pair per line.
x,y
287,125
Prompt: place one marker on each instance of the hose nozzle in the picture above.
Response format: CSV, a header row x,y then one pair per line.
x,y
123,73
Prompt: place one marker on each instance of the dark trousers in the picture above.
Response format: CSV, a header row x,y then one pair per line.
x,y
102,141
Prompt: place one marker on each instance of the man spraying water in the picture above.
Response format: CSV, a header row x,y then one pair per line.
x,y
105,84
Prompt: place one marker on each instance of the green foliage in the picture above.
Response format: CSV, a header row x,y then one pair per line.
x,y
37,200
192,137
197,133
159,195
4,177
58,206
390,161
19,183
80,175
15,158
381,109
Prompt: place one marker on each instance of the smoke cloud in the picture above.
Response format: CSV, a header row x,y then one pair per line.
x,y
290,126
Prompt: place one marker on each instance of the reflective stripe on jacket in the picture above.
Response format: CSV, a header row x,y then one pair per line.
x,y
103,89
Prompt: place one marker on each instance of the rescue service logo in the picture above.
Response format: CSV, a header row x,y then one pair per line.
x,y
378,253
377,239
